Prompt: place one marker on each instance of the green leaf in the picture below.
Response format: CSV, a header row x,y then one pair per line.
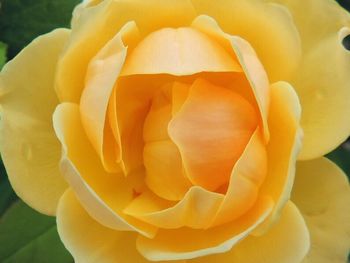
x,y
23,20
7,195
27,236
341,156
3,51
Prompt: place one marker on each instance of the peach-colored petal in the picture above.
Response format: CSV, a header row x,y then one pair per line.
x,y
103,195
181,51
211,130
101,77
322,193
246,178
90,242
29,147
187,243
162,159
98,24
269,28
283,147
286,242
252,67
196,210
164,170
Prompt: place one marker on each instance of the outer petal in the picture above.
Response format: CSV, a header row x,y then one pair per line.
x,y
187,243
323,88
287,242
90,242
283,147
90,34
322,193
103,195
269,28
101,78
322,82
29,147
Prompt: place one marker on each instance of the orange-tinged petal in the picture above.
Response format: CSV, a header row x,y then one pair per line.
x,y
90,242
283,147
164,170
286,242
196,210
102,74
103,195
187,243
269,28
181,51
252,67
211,131
246,178
162,159
322,193
98,24
29,147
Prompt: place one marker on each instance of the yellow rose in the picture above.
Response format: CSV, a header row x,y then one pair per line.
x,y
177,126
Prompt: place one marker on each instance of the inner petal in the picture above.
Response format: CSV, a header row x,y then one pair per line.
x,y
162,159
211,131
181,51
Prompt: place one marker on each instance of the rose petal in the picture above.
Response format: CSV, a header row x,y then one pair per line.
x,y
268,28
252,67
196,210
102,74
287,241
282,149
322,193
90,34
247,176
29,147
90,242
103,195
211,131
187,243
181,51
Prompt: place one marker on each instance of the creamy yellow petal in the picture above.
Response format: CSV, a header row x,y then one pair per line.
x,y
101,77
315,19
323,88
103,195
181,51
247,176
322,193
90,242
97,25
187,243
286,242
29,147
211,131
196,210
322,80
283,147
252,67
269,28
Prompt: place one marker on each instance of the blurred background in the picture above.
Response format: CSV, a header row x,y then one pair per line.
x,y
25,235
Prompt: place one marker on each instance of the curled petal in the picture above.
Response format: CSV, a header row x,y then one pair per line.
x,y
103,195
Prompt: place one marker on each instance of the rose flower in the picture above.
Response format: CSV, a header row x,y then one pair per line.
x,y
173,130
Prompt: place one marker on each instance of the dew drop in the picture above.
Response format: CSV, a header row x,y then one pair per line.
x,y
27,151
